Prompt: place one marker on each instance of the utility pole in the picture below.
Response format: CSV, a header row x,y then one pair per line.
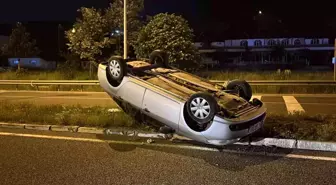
x,y
125,29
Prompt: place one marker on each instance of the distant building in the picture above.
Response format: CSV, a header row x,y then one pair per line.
x,y
32,63
272,50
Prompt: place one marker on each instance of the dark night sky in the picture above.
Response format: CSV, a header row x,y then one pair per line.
x,y
63,10
38,10
44,10
307,17
237,12
210,17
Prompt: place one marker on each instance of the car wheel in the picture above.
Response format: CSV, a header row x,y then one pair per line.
x,y
241,87
202,107
116,68
160,58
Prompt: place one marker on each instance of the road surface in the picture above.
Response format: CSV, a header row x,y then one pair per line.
x,y
44,157
311,104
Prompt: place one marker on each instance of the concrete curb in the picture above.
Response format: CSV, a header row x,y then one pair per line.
x,y
91,130
314,145
283,143
275,142
88,130
37,127
12,125
293,144
60,128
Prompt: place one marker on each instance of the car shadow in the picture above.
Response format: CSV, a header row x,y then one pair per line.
x,y
230,157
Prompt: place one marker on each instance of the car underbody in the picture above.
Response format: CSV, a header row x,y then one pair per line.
x,y
184,85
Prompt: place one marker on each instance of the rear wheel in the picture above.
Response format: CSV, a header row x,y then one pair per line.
x,y
242,88
160,58
201,108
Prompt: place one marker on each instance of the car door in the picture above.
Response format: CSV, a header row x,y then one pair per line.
x,y
162,108
132,93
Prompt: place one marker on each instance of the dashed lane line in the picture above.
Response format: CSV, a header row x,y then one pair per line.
x,y
293,156
292,105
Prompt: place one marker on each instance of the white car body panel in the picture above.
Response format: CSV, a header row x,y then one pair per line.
x,y
167,111
132,92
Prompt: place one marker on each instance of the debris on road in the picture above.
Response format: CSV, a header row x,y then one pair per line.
x,y
114,110
149,141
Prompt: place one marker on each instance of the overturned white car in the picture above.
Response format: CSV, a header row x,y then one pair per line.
x,y
187,104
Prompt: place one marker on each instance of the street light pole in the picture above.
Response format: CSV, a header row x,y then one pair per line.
x,y
125,29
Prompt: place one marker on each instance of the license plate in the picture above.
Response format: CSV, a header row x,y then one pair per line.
x,y
254,127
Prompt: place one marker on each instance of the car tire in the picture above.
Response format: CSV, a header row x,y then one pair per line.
x,y
160,58
116,68
198,102
241,87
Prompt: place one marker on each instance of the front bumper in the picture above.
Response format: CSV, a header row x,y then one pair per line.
x,y
223,132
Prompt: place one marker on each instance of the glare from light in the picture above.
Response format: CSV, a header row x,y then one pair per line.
x,y
260,12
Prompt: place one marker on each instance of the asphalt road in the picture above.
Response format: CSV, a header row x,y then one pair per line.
x,y
69,158
311,104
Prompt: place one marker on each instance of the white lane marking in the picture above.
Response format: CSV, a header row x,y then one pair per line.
x,y
292,104
295,156
319,158
258,97
57,97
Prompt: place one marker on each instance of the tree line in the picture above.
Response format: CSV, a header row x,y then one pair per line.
x,y
97,33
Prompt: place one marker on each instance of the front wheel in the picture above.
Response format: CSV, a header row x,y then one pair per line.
x,y
116,68
202,108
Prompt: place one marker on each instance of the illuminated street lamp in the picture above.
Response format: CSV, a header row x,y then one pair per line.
x,y
260,12
73,30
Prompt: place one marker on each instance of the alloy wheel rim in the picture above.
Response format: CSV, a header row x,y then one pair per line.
x,y
115,68
200,108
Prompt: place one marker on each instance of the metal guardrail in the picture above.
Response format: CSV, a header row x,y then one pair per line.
x,y
49,82
82,83
58,83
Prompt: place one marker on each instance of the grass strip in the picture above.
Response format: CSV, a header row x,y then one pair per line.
x,y
296,126
96,116
318,127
